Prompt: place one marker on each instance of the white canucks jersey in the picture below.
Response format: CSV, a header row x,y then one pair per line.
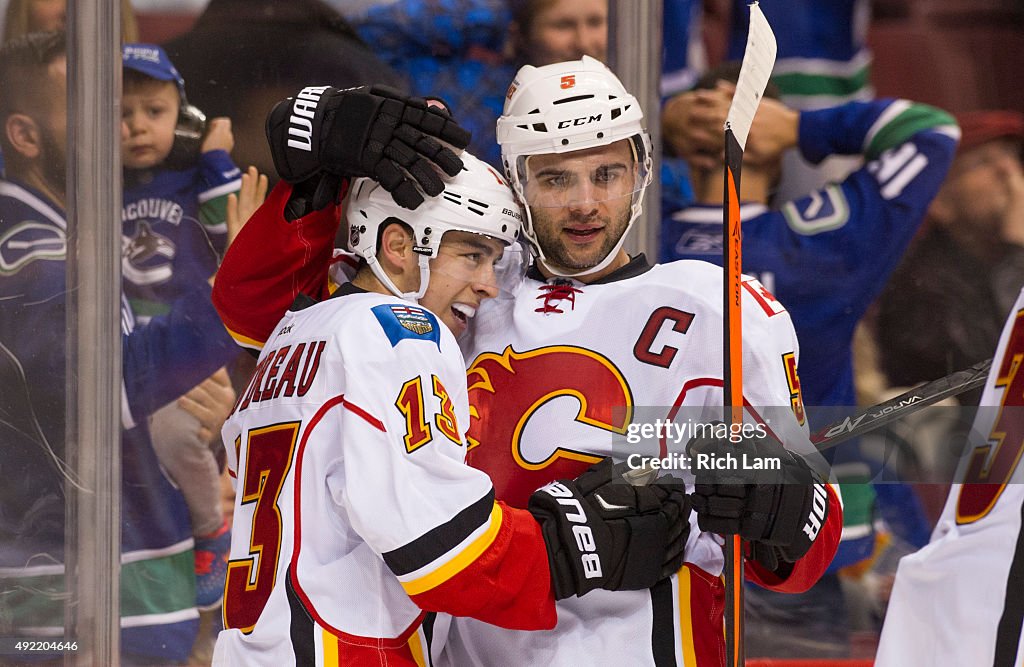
x,y
960,599
350,436
556,378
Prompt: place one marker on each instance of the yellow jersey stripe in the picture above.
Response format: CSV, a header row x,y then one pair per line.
x,y
330,643
459,561
685,619
245,341
416,648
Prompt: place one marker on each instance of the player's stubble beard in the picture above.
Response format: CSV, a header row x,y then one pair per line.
x,y
548,224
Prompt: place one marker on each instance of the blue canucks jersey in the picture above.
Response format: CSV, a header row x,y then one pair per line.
x,y
822,59
174,229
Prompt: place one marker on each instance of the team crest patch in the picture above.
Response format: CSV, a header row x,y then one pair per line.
x,y
401,321
413,319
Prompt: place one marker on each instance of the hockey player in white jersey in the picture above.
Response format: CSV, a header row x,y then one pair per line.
x,y
592,338
577,155
355,511
959,601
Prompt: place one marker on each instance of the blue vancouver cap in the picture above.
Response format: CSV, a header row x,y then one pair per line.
x,y
152,61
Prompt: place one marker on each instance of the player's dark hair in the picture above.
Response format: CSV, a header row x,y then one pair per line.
x,y
21,62
380,235
393,221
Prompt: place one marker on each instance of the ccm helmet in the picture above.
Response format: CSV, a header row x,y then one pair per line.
x,y
477,200
568,107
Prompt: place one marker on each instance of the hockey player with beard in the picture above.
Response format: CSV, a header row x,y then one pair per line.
x,y
591,335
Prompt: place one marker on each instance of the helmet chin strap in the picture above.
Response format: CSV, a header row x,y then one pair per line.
x,y
385,279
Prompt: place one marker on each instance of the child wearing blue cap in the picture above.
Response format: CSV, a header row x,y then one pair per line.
x,y
177,177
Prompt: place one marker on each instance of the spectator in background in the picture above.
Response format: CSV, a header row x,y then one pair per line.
x,y
161,361
823,61
946,304
467,51
178,175
242,56
25,16
550,31
825,256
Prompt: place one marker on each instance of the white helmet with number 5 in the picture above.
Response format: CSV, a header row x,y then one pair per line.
x,y
477,200
566,107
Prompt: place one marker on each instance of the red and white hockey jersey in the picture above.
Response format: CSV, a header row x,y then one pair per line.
x,y
960,599
354,509
556,378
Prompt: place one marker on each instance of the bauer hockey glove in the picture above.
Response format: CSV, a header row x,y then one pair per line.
x,y
324,134
611,535
779,511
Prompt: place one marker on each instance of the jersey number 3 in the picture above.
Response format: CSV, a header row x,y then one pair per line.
x,y
268,458
988,472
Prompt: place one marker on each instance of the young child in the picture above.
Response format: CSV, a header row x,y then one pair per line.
x,y
176,183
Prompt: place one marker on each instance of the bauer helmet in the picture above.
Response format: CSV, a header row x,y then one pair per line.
x,y
568,107
477,200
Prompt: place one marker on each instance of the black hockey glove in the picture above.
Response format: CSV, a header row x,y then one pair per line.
x,y
615,536
324,134
780,512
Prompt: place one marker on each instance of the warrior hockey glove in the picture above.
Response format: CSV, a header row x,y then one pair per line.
x,y
325,134
780,511
611,535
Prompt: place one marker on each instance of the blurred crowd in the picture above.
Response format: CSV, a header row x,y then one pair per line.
x,y
897,255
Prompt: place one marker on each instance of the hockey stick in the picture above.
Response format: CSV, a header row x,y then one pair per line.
x,y
879,415
758,60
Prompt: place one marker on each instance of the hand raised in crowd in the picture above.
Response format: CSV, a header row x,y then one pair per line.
x,y
210,402
324,135
693,124
242,205
218,136
774,130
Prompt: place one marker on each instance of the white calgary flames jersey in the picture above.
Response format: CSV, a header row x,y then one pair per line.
x,y
556,376
351,436
960,600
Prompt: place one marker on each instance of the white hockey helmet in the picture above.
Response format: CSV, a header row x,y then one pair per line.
x,y
567,107
477,200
